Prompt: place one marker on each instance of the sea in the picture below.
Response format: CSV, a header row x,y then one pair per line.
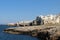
x,y
6,36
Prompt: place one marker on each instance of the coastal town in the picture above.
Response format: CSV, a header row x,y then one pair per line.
x,y
40,20
43,27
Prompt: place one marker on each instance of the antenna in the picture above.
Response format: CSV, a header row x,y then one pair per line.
x,y
23,23
18,24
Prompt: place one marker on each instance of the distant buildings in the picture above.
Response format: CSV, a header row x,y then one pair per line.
x,y
40,20
53,19
11,24
24,23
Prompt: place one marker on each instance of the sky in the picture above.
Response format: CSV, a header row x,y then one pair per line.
x,y
12,11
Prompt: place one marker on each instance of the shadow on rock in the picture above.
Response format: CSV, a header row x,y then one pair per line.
x,y
43,36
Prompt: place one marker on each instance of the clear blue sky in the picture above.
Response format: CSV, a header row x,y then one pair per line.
x,y
18,10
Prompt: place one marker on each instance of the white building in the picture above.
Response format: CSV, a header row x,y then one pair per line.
x,y
24,23
51,19
12,24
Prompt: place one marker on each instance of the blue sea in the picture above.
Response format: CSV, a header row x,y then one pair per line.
x,y
6,36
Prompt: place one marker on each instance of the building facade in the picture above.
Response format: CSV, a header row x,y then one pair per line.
x,y
51,19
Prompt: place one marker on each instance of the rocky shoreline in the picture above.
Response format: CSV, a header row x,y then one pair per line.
x,y
48,32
